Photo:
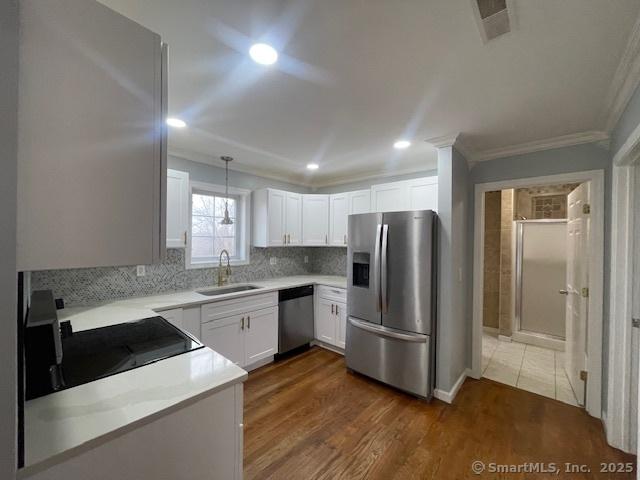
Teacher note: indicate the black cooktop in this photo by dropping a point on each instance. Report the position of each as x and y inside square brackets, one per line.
[89, 355]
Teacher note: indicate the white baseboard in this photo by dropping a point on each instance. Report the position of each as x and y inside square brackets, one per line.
[491, 330]
[539, 340]
[259, 363]
[504, 338]
[326, 346]
[449, 396]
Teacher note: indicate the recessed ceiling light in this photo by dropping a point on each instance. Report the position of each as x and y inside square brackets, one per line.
[313, 166]
[263, 54]
[402, 144]
[176, 122]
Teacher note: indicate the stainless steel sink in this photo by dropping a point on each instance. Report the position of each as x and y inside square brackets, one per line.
[212, 292]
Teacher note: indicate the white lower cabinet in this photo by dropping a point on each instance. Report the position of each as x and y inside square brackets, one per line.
[226, 336]
[244, 338]
[331, 316]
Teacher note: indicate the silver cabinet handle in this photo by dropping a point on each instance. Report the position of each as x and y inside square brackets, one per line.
[289, 238]
[563, 292]
[345, 238]
[249, 322]
[284, 239]
[376, 268]
[383, 270]
[185, 237]
[336, 309]
[326, 239]
[242, 324]
[332, 309]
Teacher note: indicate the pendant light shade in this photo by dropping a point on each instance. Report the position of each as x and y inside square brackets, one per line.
[226, 220]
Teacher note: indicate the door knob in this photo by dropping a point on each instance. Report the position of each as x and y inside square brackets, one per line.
[563, 292]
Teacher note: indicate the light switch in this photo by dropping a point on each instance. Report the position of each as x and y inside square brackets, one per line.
[273, 261]
[141, 270]
[306, 259]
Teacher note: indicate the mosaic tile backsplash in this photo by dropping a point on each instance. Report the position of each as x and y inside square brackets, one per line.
[88, 286]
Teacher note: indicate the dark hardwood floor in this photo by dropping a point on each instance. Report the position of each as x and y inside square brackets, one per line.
[308, 418]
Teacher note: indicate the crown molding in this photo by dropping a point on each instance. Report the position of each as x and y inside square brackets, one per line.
[540, 145]
[238, 167]
[443, 141]
[625, 81]
[371, 176]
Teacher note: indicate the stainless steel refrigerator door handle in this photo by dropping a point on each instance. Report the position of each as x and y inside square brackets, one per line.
[383, 270]
[376, 268]
[386, 332]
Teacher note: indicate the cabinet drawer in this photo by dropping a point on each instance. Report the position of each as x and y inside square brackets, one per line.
[332, 293]
[236, 306]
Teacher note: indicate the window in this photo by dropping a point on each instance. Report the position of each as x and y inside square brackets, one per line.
[208, 237]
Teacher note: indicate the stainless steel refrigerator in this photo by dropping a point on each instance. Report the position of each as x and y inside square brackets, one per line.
[391, 299]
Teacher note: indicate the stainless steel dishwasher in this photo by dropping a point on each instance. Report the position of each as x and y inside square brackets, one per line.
[295, 318]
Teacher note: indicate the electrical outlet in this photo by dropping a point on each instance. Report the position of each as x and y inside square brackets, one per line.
[306, 259]
[141, 270]
[273, 261]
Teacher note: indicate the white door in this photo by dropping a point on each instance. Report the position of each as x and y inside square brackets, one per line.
[315, 219]
[326, 323]
[359, 202]
[261, 334]
[293, 218]
[423, 193]
[341, 324]
[177, 208]
[226, 336]
[276, 202]
[577, 301]
[338, 215]
[390, 197]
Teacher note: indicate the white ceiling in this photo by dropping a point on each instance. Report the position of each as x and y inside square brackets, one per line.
[355, 75]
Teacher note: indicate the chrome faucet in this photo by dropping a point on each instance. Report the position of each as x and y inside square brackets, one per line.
[224, 275]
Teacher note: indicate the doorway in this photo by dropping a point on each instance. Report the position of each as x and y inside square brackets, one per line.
[526, 286]
[525, 289]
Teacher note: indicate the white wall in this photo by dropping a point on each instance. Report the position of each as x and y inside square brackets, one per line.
[454, 269]
[8, 185]
[364, 184]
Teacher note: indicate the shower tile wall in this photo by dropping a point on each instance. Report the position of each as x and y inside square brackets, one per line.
[87, 286]
[548, 201]
[506, 258]
[491, 304]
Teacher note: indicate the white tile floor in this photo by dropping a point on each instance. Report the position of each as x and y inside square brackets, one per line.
[535, 369]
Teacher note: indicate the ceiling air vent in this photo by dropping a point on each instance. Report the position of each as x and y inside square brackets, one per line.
[493, 17]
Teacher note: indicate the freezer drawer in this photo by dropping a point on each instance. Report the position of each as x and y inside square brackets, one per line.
[400, 359]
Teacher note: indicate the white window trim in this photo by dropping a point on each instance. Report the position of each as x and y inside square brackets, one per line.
[243, 208]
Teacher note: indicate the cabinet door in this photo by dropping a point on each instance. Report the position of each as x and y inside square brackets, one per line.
[423, 193]
[326, 321]
[359, 202]
[276, 217]
[261, 334]
[338, 212]
[226, 336]
[315, 219]
[390, 197]
[341, 324]
[177, 208]
[92, 167]
[293, 218]
[173, 316]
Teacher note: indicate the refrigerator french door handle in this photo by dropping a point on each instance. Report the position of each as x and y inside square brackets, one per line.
[376, 269]
[387, 332]
[384, 294]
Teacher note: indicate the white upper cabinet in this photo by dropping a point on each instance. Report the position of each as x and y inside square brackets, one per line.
[177, 208]
[293, 219]
[92, 140]
[277, 218]
[359, 202]
[423, 193]
[315, 220]
[415, 194]
[338, 215]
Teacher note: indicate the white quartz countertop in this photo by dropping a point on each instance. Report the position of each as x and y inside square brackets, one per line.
[67, 422]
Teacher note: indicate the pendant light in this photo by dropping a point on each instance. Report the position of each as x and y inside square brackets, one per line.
[226, 220]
